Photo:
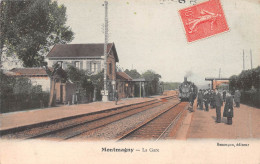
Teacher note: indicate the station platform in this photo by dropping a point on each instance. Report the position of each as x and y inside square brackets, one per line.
[201, 124]
[14, 120]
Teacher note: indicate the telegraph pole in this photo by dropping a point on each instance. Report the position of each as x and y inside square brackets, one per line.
[219, 72]
[105, 92]
[251, 59]
[243, 60]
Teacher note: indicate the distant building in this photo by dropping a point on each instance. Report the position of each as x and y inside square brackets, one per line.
[38, 76]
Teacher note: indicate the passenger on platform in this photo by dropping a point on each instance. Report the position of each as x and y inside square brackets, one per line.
[237, 98]
[191, 100]
[228, 109]
[200, 100]
[116, 97]
[224, 95]
[218, 103]
[206, 100]
[212, 101]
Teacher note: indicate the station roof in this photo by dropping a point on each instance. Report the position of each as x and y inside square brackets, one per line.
[123, 76]
[81, 50]
[212, 78]
[36, 71]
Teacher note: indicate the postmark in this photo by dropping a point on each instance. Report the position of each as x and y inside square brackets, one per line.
[193, 2]
[203, 20]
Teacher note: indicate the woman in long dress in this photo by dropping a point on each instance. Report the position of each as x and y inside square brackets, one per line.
[228, 109]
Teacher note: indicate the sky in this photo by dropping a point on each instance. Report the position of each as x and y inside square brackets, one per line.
[149, 34]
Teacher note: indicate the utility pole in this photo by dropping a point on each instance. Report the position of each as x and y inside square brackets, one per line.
[219, 72]
[251, 59]
[105, 92]
[243, 60]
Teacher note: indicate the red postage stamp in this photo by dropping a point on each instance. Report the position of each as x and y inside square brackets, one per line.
[203, 20]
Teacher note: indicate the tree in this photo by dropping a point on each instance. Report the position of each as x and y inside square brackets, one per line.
[90, 84]
[171, 85]
[233, 83]
[256, 78]
[74, 74]
[29, 28]
[153, 81]
[246, 80]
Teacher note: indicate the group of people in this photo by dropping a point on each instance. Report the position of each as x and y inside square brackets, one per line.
[214, 99]
[206, 98]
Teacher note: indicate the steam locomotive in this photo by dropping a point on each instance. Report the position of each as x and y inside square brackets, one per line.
[186, 88]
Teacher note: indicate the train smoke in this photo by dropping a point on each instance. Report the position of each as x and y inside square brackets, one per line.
[188, 74]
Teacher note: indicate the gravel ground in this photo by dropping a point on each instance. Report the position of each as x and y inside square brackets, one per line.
[113, 130]
[62, 124]
[77, 130]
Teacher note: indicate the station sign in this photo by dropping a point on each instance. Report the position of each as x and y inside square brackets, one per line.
[104, 92]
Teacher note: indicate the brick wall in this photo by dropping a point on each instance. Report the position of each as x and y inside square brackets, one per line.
[111, 60]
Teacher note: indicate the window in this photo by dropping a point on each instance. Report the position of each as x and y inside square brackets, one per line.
[77, 64]
[60, 63]
[94, 67]
[110, 68]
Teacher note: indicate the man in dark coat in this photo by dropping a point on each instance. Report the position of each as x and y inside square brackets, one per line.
[206, 100]
[116, 97]
[218, 104]
[228, 109]
[200, 99]
[211, 99]
[224, 95]
[191, 100]
[237, 98]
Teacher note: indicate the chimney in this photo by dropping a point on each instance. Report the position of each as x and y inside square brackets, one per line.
[185, 79]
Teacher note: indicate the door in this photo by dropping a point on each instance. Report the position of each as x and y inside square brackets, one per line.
[61, 93]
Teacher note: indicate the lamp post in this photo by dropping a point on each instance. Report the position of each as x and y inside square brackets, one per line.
[126, 85]
[143, 89]
[114, 87]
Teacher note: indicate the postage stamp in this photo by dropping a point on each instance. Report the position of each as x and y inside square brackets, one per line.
[203, 20]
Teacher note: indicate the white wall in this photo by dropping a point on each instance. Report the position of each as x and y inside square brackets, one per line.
[84, 62]
[43, 81]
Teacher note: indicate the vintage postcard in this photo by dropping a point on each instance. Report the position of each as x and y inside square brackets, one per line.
[129, 81]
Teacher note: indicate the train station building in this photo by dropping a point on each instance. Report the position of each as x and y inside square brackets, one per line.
[87, 57]
[90, 57]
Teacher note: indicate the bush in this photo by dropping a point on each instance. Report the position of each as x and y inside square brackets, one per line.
[251, 97]
[18, 102]
[246, 80]
[19, 94]
[249, 82]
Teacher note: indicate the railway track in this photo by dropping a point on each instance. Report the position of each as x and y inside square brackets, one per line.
[157, 127]
[70, 128]
[114, 129]
[74, 132]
